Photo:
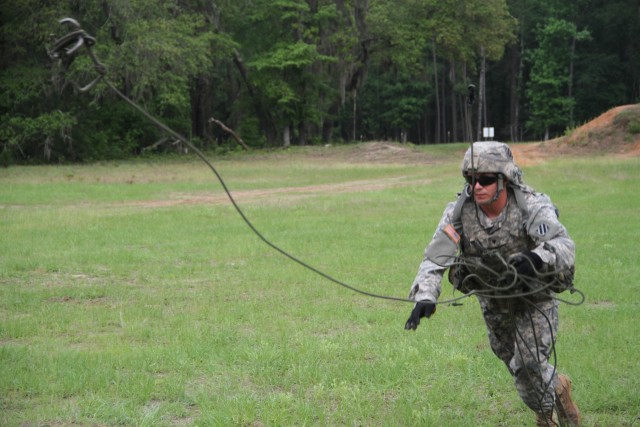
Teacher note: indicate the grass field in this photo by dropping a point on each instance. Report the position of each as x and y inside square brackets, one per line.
[133, 294]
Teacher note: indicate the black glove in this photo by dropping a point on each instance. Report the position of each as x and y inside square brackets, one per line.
[421, 309]
[527, 263]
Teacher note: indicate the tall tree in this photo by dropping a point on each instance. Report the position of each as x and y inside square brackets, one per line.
[494, 30]
[549, 87]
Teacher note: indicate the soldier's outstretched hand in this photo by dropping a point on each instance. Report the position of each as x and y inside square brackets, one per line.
[420, 310]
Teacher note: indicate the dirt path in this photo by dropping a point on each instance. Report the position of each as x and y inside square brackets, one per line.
[376, 152]
[282, 195]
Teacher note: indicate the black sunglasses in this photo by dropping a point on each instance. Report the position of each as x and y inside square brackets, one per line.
[483, 180]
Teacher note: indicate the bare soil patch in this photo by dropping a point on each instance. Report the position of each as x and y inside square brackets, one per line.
[527, 154]
[284, 194]
[374, 152]
[386, 152]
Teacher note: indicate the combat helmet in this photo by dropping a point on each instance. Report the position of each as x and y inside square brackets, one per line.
[492, 157]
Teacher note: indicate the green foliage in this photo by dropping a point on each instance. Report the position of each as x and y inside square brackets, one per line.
[547, 88]
[48, 134]
[493, 27]
[634, 127]
[249, 128]
[263, 66]
[283, 56]
[426, 40]
[22, 87]
[288, 69]
[284, 79]
[154, 52]
[400, 31]
[392, 103]
[126, 135]
[459, 28]
[600, 82]
[157, 58]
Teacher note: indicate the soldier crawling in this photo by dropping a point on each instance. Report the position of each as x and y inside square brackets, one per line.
[503, 242]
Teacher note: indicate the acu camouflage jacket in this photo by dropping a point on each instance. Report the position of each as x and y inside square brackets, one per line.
[529, 222]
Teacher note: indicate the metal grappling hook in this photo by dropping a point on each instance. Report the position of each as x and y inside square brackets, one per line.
[66, 46]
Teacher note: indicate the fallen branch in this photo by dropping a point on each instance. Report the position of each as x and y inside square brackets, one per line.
[175, 142]
[230, 131]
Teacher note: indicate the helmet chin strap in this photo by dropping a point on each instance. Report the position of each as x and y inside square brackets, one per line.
[500, 187]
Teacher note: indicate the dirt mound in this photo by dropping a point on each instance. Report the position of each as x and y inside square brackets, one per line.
[616, 131]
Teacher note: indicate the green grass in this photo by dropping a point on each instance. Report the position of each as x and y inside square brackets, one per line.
[119, 310]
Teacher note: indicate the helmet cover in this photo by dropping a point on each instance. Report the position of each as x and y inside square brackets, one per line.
[492, 157]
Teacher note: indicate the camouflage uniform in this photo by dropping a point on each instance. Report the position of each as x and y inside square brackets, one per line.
[521, 330]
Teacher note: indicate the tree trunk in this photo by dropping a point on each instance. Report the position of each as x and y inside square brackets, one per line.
[454, 105]
[286, 136]
[352, 72]
[570, 94]
[355, 110]
[437, 91]
[467, 111]
[302, 133]
[481, 94]
[513, 93]
[443, 97]
[264, 116]
[201, 108]
[517, 67]
[328, 122]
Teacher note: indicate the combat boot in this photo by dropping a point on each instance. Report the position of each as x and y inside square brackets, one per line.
[568, 412]
[548, 419]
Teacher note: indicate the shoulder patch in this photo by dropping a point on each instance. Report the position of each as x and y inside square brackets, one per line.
[542, 229]
[450, 231]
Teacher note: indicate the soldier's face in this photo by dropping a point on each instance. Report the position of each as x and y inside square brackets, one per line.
[486, 187]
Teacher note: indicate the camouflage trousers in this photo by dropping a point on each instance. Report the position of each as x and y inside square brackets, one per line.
[523, 335]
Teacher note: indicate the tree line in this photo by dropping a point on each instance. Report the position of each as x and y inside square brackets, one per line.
[294, 72]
